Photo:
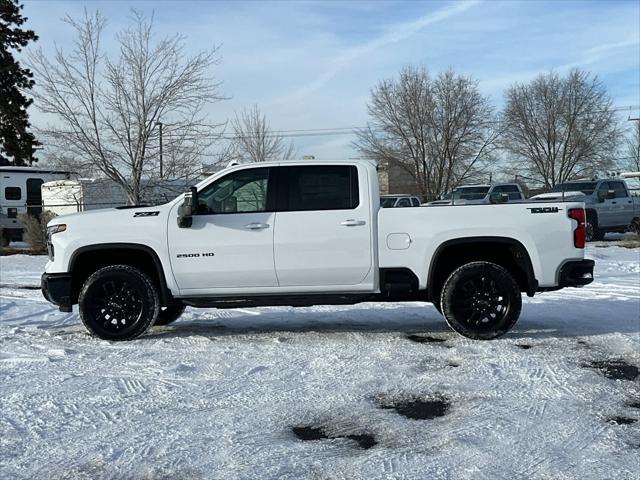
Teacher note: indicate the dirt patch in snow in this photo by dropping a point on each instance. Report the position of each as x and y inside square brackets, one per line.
[621, 420]
[523, 346]
[420, 409]
[310, 433]
[615, 369]
[634, 404]
[425, 339]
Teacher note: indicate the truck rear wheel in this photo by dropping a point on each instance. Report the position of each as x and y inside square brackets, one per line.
[481, 300]
[118, 302]
[169, 314]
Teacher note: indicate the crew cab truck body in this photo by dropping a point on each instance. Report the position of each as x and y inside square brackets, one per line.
[303, 234]
[610, 207]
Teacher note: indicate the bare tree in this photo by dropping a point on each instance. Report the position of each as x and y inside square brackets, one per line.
[107, 111]
[440, 130]
[254, 141]
[632, 149]
[558, 127]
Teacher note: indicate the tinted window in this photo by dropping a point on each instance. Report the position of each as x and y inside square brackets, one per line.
[619, 189]
[403, 202]
[244, 191]
[12, 193]
[387, 202]
[415, 202]
[511, 190]
[585, 187]
[329, 187]
[470, 193]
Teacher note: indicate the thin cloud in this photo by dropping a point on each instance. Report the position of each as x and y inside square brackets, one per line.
[395, 34]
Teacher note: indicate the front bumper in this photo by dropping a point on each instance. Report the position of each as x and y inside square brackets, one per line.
[56, 288]
[576, 273]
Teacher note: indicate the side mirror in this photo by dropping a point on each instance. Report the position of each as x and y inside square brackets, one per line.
[498, 197]
[188, 209]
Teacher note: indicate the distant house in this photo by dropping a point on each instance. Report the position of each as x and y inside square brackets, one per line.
[394, 178]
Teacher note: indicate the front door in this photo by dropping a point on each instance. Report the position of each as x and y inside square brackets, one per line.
[230, 243]
[323, 233]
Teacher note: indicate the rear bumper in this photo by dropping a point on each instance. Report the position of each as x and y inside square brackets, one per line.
[56, 288]
[576, 273]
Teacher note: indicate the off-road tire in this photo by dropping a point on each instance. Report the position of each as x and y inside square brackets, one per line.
[118, 303]
[634, 226]
[481, 300]
[169, 314]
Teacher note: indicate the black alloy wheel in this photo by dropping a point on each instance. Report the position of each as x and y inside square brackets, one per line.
[118, 303]
[481, 300]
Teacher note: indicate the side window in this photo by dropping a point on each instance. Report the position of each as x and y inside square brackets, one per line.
[619, 189]
[415, 202]
[604, 187]
[403, 202]
[244, 191]
[513, 192]
[13, 193]
[320, 187]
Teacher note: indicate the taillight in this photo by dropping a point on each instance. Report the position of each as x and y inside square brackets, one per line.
[580, 233]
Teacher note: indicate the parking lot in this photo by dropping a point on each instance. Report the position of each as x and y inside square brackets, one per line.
[365, 391]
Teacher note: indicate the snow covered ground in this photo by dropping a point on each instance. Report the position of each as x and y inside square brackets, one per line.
[218, 393]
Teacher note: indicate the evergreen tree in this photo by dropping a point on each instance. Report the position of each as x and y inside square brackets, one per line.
[16, 141]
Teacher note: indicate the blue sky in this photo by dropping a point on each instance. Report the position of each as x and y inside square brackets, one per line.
[312, 65]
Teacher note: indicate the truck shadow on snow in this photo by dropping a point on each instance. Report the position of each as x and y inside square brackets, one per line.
[551, 319]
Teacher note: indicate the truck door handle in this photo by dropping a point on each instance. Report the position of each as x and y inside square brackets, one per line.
[353, 223]
[256, 226]
[614, 202]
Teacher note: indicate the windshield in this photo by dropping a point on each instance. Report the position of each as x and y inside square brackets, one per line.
[387, 202]
[585, 187]
[470, 193]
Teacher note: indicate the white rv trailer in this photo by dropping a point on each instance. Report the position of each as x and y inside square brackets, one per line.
[20, 193]
[71, 196]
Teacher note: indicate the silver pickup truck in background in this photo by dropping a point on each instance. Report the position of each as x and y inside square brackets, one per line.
[609, 205]
[481, 194]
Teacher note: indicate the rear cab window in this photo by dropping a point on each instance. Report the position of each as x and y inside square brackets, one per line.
[318, 187]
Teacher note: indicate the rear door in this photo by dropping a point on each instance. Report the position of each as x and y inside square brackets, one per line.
[323, 235]
[606, 216]
[622, 204]
[34, 196]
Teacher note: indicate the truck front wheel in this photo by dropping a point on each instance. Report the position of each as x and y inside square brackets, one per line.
[481, 300]
[118, 302]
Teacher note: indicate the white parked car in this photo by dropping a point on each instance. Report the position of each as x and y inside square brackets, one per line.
[307, 233]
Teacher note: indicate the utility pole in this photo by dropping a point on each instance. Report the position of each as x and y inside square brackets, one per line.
[160, 127]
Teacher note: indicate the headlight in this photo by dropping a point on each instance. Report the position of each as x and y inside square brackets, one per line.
[56, 229]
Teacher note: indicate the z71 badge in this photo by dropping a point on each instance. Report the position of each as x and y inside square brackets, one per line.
[544, 209]
[145, 214]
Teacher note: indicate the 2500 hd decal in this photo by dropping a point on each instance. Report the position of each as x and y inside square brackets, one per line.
[195, 255]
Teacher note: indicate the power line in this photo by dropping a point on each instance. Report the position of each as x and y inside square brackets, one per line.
[318, 132]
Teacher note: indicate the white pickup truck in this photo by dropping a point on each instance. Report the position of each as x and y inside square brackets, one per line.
[308, 233]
